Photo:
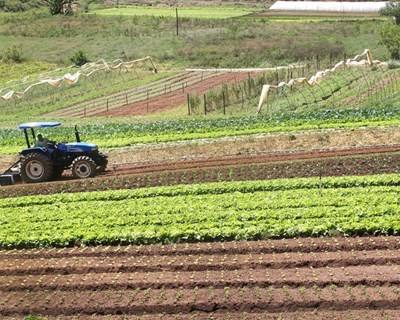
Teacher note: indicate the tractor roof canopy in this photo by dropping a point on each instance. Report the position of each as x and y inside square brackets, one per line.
[30, 125]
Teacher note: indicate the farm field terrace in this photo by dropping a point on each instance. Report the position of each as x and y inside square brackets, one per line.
[210, 12]
[126, 133]
[206, 212]
[232, 42]
[240, 280]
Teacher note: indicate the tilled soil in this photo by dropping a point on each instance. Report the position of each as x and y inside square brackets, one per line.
[259, 167]
[175, 98]
[313, 278]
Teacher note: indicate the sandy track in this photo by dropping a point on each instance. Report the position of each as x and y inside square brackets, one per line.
[232, 280]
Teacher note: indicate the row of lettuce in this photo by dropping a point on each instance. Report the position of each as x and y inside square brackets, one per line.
[109, 135]
[208, 212]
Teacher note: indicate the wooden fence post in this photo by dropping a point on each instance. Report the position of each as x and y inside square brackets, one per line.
[188, 103]
[147, 107]
[107, 105]
[241, 90]
[177, 22]
[205, 104]
[126, 98]
[223, 102]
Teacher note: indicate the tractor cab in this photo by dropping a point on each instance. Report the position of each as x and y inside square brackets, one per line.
[42, 143]
[45, 159]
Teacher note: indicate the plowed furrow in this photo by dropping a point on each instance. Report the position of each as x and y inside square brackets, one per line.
[306, 277]
[82, 265]
[360, 314]
[235, 247]
[206, 300]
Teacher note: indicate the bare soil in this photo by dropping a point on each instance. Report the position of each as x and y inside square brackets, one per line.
[374, 160]
[175, 98]
[313, 278]
[259, 144]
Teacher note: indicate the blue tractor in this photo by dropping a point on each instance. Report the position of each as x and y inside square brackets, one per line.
[45, 160]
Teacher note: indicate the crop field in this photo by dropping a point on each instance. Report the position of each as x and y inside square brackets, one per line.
[219, 12]
[265, 279]
[355, 161]
[111, 135]
[159, 96]
[274, 279]
[220, 211]
[207, 209]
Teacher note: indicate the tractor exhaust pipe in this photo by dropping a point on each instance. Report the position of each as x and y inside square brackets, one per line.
[77, 136]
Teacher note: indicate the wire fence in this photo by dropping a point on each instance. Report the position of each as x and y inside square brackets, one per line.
[351, 87]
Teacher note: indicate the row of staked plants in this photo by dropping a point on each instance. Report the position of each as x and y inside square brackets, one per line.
[240, 92]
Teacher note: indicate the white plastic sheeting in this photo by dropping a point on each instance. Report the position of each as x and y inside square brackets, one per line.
[329, 6]
[315, 79]
[85, 71]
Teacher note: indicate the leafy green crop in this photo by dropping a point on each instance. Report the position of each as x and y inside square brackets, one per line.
[207, 212]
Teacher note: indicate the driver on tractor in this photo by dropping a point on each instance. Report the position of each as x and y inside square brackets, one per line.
[41, 142]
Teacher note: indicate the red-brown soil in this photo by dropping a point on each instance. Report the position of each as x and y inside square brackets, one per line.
[253, 159]
[354, 161]
[175, 98]
[313, 278]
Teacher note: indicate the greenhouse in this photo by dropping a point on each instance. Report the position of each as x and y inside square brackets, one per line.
[329, 6]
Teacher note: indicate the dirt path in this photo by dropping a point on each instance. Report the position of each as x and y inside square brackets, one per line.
[260, 280]
[175, 98]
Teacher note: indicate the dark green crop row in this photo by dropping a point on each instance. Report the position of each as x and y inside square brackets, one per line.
[208, 212]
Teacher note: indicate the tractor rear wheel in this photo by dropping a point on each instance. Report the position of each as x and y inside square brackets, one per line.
[36, 167]
[83, 167]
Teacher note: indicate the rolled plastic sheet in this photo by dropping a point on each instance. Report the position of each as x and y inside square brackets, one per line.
[86, 70]
[354, 62]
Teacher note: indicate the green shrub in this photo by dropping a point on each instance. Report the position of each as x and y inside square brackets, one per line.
[13, 54]
[19, 5]
[390, 38]
[392, 9]
[79, 58]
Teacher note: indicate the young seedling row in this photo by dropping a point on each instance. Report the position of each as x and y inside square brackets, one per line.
[235, 279]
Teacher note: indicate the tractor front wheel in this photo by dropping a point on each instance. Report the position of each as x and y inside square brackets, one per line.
[36, 167]
[83, 167]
